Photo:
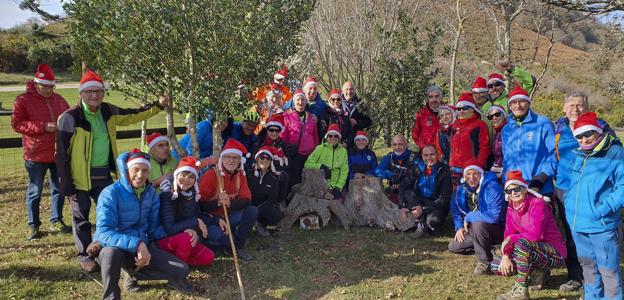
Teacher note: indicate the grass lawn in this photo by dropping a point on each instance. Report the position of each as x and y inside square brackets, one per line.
[364, 263]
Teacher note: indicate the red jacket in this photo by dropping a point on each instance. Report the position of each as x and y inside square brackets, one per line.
[30, 114]
[234, 185]
[470, 139]
[425, 128]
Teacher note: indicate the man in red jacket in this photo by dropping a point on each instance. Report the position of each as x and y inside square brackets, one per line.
[426, 123]
[34, 116]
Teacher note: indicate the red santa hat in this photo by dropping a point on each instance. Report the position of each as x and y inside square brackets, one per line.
[333, 128]
[516, 177]
[154, 139]
[466, 100]
[298, 92]
[495, 77]
[188, 164]
[473, 165]
[138, 157]
[587, 122]
[281, 73]
[275, 154]
[233, 146]
[497, 108]
[334, 92]
[360, 134]
[309, 82]
[44, 75]
[480, 85]
[275, 120]
[518, 94]
[90, 79]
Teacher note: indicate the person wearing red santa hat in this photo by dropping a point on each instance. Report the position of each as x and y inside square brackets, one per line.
[497, 115]
[331, 157]
[34, 117]
[315, 104]
[163, 164]
[478, 210]
[336, 114]
[498, 84]
[226, 185]
[276, 88]
[362, 160]
[480, 93]
[86, 144]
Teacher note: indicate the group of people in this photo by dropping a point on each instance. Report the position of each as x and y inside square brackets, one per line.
[506, 175]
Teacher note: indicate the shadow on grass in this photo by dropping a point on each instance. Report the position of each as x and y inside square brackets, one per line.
[23, 246]
[43, 273]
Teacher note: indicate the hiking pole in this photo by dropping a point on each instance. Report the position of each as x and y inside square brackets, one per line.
[234, 255]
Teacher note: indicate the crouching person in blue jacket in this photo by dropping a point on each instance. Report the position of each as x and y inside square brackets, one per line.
[478, 209]
[127, 217]
[592, 205]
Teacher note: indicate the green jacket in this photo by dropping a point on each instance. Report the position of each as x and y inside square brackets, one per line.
[159, 170]
[336, 159]
[74, 141]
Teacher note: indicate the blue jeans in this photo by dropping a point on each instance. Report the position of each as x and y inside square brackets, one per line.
[241, 224]
[599, 254]
[36, 174]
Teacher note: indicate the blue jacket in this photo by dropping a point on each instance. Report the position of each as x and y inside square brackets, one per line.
[386, 167]
[362, 161]
[234, 130]
[596, 191]
[529, 146]
[204, 138]
[123, 220]
[316, 107]
[491, 205]
[565, 144]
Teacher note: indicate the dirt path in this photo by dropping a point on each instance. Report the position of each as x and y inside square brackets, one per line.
[19, 88]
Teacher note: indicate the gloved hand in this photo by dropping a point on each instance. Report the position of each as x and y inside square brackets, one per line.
[165, 185]
[326, 171]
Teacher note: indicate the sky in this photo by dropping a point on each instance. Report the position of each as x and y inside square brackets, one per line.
[11, 14]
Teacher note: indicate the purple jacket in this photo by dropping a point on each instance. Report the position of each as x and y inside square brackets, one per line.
[497, 146]
[533, 221]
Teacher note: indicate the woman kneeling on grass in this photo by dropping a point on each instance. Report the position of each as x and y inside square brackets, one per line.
[532, 240]
[182, 218]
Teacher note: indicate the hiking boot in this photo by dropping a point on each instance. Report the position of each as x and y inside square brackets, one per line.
[88, 265]
[517, 292]
[129, 283]
[570, 286]
[482, 269]
[538, 279]
[263, 232]
[34, 233]
[181, 285]
[59, 226]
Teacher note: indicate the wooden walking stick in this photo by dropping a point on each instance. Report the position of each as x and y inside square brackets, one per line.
[229, 233]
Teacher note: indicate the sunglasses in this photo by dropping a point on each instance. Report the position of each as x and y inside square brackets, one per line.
[516, 190]
[333, 136]
[263, 157]
[274, 130]
[492, 85]
[495, 115]
[464, 108]
[335, 99]
[585, 134]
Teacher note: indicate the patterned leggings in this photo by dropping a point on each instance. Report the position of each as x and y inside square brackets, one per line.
[527, 256]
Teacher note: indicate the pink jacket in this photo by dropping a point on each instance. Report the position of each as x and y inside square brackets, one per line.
[292, 131]
[533, 221]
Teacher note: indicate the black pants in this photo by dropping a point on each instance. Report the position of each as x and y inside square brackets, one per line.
[162, 266]
[295, 168]
[431, 221]
[81, 227]
[479, 240]
[575, 271]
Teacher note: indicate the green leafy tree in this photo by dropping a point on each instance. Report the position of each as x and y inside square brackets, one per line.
[197, 52]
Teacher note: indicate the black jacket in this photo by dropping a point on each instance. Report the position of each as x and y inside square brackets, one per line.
[361, 119]
[182, 213]
[328, 117]
[411, 195]
[264, 187]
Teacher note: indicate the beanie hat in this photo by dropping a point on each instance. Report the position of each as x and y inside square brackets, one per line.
[233, 146]
[516, 177]
[497, 108]
[274, 154]
[466, 100]
[281, 73]
[90, 79]
[333, 128]
[154, 139]
[495, 77]
[189, 164]
[587, 122]
[518, 94]
[361, 135]
[275, 120]
[138, 157]
[44, 75]
[309, 82]
[480, 85]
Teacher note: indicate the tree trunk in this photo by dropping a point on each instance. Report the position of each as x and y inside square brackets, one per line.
[171, 131]
[143, 133]
[217, 140]
[193, 132]
[369, 206]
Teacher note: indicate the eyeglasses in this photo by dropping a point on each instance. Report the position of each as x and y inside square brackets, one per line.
[45, 87]
[495, 115]
[516, 190]
[333, 136]
[274, 130]
[464, 108]
[264, 157]
[495, 84]
[335, 99]
[98, 93]
[585, 134]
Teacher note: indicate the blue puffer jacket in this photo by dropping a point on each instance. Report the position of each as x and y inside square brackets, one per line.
[388, 163]
[362, 161]
[529, 146]
[123, 220]
[490, 203]
[565, 144]
[316, 107]
[204, 139]
[596, 192]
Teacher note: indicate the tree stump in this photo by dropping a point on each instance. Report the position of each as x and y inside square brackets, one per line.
[307, 197]
[369, 205]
